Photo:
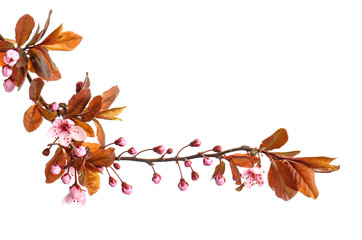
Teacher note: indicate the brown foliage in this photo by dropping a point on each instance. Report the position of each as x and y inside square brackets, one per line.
[32, 118]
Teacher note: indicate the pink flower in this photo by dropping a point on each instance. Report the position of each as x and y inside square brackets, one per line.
[187, 163]
[66, 178]
[159, 149]
[112, 182]
[80, 151]
[219, 179]
[253, 176]
[76, 195]
[132, 151]
[7, 71]
[11, 57]
[66, 130]
[54, 106]
[9, 85]
[55, 169]
[120, 142]
[195, 143]
[183, 185]
[207, 161]
[126, 188]
[156, 178]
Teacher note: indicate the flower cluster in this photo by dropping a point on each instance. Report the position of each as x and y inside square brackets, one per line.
[10, 59]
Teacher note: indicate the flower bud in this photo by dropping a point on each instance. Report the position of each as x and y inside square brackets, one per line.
[7, 71]
[159, 149]
[194, 175]
[217, 148]
[169, 151]
[126, 188]
[187, 163]
[219, 179]
[9, 85]
[116, 166]
[80, 151]
[183, 185]
[156, 178]
[132, 151]
[11, 57]
[54, 106]
[66, 178]
[46, 152]
[112, 182]
[55, 169]
[207, 161]
[120, 142]
[79, 86]
[195, 143]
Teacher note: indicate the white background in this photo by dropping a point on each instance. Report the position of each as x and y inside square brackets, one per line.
[226, 72]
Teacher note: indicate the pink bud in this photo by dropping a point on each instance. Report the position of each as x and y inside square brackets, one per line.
[79, 86]
[112, 182]
[7, 71]
[9, 85]
[101, 169]
[195, 143]
[46, 152]
[207, 161]
[66, 178]
[116, 165]
[11, 57]
[132, 151]
[169, 151]
[159, 149]
[126, 188]
[55, 169]
[120, 142]
[156, 178]
[219, 179]
[80, 151]
[217, 148]
[187, 163]
[194, 175]
[54, 106]
[183, 185]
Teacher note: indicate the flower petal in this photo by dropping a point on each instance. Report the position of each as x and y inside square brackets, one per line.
[77, 133]
[64, 139]
[52, 132]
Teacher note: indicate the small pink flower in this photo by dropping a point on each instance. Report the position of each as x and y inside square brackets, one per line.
[120, 142]
[7, 71]
[187, 163]
[112, 182]
[11, 57]
[55, 169]
[126, 188]
[183, 185]
[80, 151]
[76, 195]
[207, 161]
[194, 175]
[66, 178]
[66, 130]
[156, 178]
[54, 106]
[253, 176]
[195, 143]
[219, 179]
[9, 85]
[159, 149]
[132, 151]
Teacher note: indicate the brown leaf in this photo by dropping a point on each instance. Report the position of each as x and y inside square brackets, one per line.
[23, 61]
[18, 75]
[35, 89]
[32, 118]
[85, 126]
[220, 168]
[67, 41]
[86, 83]
[235, 172]
[276, 140]
[47, 114]
[241, 160]
[287, 154]
[92, 110]
[318, 164]
[43, 64]
[92, 146]
[103, 157]
[91, 181]
[23, 29]
[61, 159]
[78, 102]
[5, 45]
[100, 133]
[111, 114]
[53, 37]
[108, 97]
[38, 35]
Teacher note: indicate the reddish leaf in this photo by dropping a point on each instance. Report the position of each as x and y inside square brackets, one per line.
[235, 172]
[241, 160]
[276, 140]
[61, 159]
[23, 61]
[86, 82]
[92, 110]
[220, 168]
[32, 118]
[53, 37]
[108, 97]
[67, 41]
[47, 114]
[43, 64]
[92, 146]
[5, 45]
[78, 102]
[318, 164]
[111, 114]
[23, 29]
[85, 126]
[35, 89]
[103, 157]
[2, 63]
[18, 75]
[287, 154]
[38, 35]
[91, 181]
[100, 133]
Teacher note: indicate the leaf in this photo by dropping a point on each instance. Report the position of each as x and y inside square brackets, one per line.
[235, 172]
[43, 64]
[91, 181]
[108, 97]
[103, 157]
[23, 61]
[47, 114]
[111, 114]
[78, 102]
[85, 126]
[23, 29]
[287, 154]
[92, 110]
[318, 164]
[276, 140]
[35, 89]
[38, 35]
[67, 41]
[32, 118]
[18, 75]
[5, 45]
[240, 159]
[86, 83]
[61, 159]
[100, 133]
[53, 37]
[220, 168]
[92, 146]
[240, 187]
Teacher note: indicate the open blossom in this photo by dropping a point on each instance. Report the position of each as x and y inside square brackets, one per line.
[76, 195]
[11, 57]
[253, 176]
[66, 130]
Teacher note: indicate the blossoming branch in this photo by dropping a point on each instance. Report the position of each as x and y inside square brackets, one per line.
[78, 161]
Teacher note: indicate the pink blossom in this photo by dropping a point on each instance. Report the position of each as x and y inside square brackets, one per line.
[219, 179]
[207, 161]
[253, 176]
[11, 57]
[132, 151]
[9, 85]
[156, 178]
[66, 130]
[159, 149]
[187, 163]
[195, 143]
[66, 178]
[120, 142]
[7, 71]
[126, 188]
[55, 169]
[54, 106]
[76, 195]
[183, 185]
[80, 151]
